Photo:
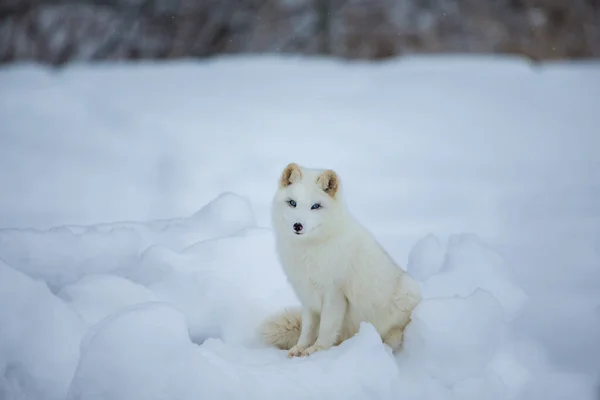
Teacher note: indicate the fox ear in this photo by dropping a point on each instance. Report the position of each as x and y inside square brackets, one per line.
[329, 182]
[291, 174]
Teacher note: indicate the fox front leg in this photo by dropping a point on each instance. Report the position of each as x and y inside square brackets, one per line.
[308, 335]
[332, 318]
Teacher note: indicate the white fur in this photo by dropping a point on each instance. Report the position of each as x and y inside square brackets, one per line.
[340, 273]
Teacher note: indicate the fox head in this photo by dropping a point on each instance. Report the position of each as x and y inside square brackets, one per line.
[307, 203]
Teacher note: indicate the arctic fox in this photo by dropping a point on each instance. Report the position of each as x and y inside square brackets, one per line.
[339, 272]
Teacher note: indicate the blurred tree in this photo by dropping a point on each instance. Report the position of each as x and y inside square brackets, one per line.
[58, 31]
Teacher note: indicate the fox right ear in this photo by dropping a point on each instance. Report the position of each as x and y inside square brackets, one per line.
[291, 174]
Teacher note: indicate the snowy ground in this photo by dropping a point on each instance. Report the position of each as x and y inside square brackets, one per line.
[480, 176]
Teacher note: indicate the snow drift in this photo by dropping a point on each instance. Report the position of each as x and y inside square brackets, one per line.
[171, 312]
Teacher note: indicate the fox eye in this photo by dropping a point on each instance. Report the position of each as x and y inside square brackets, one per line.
[315, 206]
[292, 203]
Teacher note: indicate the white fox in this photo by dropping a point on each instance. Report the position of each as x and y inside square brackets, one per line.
[339, 272]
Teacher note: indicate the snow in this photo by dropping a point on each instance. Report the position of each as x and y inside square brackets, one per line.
[96, 296]
[39, 338]
[136, 256]
[467, 266]
[425, 258]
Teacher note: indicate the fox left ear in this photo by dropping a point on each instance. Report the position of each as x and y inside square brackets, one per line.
[291, 174]
[329, 182]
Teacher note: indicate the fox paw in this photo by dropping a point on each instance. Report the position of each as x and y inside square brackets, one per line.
[296, 351]
[312, 349]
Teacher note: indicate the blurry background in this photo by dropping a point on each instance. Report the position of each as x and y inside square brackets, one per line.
[58, 31]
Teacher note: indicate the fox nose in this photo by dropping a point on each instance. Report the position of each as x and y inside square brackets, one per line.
[298, 227]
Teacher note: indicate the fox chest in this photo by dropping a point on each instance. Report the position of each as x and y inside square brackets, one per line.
[312, 275]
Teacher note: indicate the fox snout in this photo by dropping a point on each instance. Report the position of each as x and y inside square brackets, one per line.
[298, 228]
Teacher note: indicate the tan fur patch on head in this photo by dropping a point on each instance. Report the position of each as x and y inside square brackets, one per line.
[329, 182]
[292, 173]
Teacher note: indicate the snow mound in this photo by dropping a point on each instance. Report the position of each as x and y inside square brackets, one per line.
[169, 309]
[426, 258]
[95, 297]
[467, 265]
[144, 352]
[141, 352]
[63, 255]
[39, 339]
[455, 338]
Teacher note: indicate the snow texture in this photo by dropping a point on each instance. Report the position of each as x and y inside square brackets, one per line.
[429, 151]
